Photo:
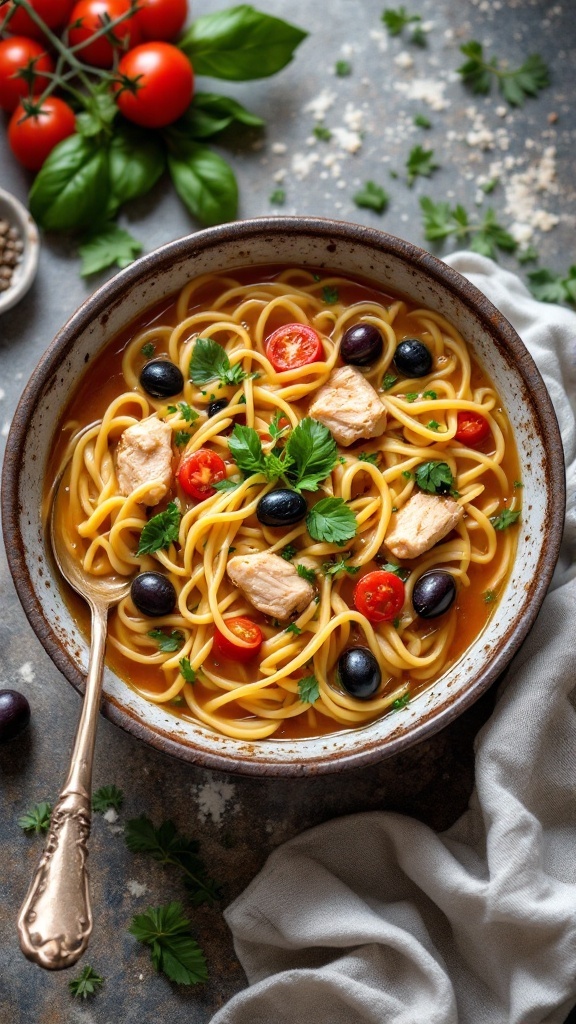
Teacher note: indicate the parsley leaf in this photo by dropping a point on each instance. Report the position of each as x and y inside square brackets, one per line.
[107, 246]
[547, 286]
[167, 846]
[388, 381]
[398, 570]
[505, 519]
[181, 438]
[307, 574]
[277, 197]
[485, 236]
[173, 950]
[433, 425]
[312, 451]
[308, 689]
[411, 396]
[515, 85]
[420, 162]
[167, 644]
[434, 477]
[322, 133]
[37, 819]
[331, 520]
[148, 349]
[397, 19]
[188, 673]
[86, 984]
[246, 450]
[334, 568]
[330, 295]
[372, 197]
[160, 531]
[372, 457]
[343, 68]
[430, 394]
[210, 361]
[106, 797]
[186, 411]
[293, 628]
[421, 121]
[288, 552]
[489, 596]
[401, 702]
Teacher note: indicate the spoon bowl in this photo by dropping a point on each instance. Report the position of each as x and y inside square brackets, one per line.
[55, 921]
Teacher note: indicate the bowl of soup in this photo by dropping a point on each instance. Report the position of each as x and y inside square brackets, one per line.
[332, 473]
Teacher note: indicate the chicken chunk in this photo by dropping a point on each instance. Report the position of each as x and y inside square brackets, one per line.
[144, 455]
[349, 406]
[421, 523]
[270, 583]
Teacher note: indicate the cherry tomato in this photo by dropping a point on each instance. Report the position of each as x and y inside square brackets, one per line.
[90, 14]
[53, 12]
[472, 428]
[199, 471]
[33, 138]
[162, 19]
[292, 346]
[164, 83]
[379, 596]
[15, 54]
[246, 631]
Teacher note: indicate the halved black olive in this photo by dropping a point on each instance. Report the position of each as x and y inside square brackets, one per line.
[14, 714]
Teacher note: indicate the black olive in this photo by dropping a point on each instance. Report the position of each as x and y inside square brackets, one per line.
[412, 358]
[361, 344]
[433, 593]
[14, 714]
[153, 594]
[359, 672]
[161, 378]
[281, 508]
[217, 406]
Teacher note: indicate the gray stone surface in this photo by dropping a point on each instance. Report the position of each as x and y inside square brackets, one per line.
[239, 821]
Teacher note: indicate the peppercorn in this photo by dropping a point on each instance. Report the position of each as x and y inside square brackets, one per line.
[11, 249]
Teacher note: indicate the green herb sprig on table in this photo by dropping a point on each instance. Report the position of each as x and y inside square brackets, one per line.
[37, 819]
[108, 161]
[547, 286]
[107, 797]
[173, 950]
[86, 984]
[477, 73]
[420, 162]
[440, 220]
[372, 197]
[166, 845]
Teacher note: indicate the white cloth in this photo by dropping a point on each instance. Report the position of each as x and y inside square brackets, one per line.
[375, 919]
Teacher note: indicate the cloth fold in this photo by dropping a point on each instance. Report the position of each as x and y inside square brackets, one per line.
[374, 918]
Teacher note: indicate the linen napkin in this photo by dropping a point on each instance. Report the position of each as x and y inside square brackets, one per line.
[374, 918]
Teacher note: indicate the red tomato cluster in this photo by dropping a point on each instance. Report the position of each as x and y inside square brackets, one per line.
[153, 83]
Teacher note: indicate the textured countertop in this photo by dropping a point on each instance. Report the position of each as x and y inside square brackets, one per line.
[528, 152]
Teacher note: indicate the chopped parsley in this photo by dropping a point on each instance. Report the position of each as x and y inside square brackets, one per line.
[307, 574]
[372, 457]
[322, 133]
[173, 950]
[421, 163]
[275, 430]
[228, 484]
[187, 672]
[277, 197]
[339, 566]
[411, 396]
[160, 531]
[505, 519]
[548, 286]
[398, 570]
[167, 643]
[518, 483]
[37, 819]
[288, 552]
[433, 425]
[330, 295]
[485, 237]
[107, 797]
[372, 197]
[515, 84]
[148, 349]
[181, 438]
[434, 477]
[489, 186]
[308, 689]
[396, 20]
[489, 596]
[186, 411]
[388, 381]
[421, 121]
[343, 68]
[430, 394]
[407, 474]
[401, 702]
[210, 362]
[86, 984]
[331, 520]
[293, 628]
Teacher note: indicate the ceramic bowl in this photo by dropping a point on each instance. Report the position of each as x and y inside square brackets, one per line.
[17, 216]
[395, 266]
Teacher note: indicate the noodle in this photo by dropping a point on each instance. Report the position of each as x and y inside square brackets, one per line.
[262, 698]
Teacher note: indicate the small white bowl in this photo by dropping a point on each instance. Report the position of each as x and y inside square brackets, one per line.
[12, 210]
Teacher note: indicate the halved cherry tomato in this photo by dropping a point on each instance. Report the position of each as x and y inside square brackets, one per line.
[379, 596]
[16, 54]
[162, 84]
[198, 473]
[292, 346]
[88, 17]
[472, 428]
[247, 631]
[33, 138]
[161, 19]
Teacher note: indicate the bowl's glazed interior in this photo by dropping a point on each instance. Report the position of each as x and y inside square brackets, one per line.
[394, 266]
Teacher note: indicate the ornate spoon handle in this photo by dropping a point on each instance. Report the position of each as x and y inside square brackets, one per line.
[55, 921]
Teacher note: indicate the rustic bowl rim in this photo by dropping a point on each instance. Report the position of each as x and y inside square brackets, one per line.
[111, 292]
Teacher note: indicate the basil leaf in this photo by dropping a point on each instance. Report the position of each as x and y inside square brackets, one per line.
[137, 161]
[204, 181]
[101, 109]
[105, 246]
[72, 187]
[210, 113]
[331, 520]
[312, 448]
[240, 44]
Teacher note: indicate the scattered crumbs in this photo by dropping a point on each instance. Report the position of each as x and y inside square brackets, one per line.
[427, 90]
[140, 977]
[279, 148]
[501, 111]
[404, 60]
[280, 174]
[111, 816]
[347, 140]
[353, 117]
[321, 104]
[2, 394]
[27, 672]
[212, 798]
[522, 197]
[302, 164]
[136, 888]
[380, 38]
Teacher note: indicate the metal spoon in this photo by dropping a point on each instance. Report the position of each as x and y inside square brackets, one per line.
[55, 921]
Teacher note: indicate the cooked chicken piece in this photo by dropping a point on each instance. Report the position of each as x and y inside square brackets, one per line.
[349, 406]
[144, 454]
[270, 583]
[421, 523]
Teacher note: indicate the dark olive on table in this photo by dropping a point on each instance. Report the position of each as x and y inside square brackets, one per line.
[281, 508]
[14, 714]
[361, 345]
[162, 378]
[216, 406]
[153, 594]
[359, 672]
[433, 593]
[413, 358]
